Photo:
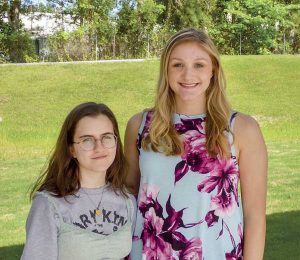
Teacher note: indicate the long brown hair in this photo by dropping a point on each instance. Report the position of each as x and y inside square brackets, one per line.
[162, 134]
[61, 176]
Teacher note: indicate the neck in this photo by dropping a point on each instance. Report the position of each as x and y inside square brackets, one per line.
[92, 180]
[190, 108]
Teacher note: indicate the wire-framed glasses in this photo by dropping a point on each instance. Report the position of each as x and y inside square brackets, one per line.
[89, 143]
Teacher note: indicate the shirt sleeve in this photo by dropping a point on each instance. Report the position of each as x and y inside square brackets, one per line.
[41, 231]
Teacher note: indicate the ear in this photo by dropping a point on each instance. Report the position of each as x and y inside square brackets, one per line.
[72, 151]
[212, 73]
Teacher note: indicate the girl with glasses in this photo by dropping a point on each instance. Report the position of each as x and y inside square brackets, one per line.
[81, 208]
[187, 156]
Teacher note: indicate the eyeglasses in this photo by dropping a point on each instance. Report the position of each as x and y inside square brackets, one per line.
[89, 143]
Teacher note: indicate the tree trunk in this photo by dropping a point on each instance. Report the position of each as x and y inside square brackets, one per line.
[14, 14]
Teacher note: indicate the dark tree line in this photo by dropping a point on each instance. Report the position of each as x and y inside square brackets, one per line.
[109, 29]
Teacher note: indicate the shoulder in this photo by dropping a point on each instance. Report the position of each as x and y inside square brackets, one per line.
[39, 203]
[245, 124]
[245, 121]
[246, 129]
[43, 205]
[41, 198]
[47, 201]
[135, 121]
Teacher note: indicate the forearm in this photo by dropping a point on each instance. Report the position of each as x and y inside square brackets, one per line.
[254, 237]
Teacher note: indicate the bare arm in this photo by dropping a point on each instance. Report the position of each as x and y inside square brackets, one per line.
[131, 153]
[252, 155]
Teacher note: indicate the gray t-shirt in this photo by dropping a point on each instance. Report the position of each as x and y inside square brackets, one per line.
[42, 224]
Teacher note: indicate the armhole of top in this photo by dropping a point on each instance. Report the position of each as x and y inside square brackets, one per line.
[231, 137]
[142, 125]
[232, 120]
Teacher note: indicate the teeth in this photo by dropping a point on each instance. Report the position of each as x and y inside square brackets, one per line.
[189, 85]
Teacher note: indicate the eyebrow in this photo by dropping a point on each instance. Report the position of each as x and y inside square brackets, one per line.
[197, 59]
[82, 136]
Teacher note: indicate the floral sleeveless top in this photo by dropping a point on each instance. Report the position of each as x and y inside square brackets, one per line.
[188, 206]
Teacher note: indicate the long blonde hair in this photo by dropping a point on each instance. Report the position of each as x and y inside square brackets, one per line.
[162, 134]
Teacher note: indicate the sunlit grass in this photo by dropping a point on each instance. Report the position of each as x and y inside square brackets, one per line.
[34, 100]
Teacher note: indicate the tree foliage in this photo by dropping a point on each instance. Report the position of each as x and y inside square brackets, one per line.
[15, 42]
[250, 26]
[194, 13]
[139, 28]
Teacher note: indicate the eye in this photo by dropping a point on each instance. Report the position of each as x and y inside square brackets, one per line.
[178, 65]
[199, 65]
[88, 140]
[108, 137]
[108, 140]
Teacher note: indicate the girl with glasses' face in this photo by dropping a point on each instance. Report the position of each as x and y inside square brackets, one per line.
[94, 148]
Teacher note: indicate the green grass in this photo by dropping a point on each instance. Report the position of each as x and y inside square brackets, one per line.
[34, 100]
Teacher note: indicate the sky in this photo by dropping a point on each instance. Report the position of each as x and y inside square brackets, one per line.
[39, 1]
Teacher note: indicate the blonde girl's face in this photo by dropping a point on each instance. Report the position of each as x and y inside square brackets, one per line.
[189, 73]
[97, 159]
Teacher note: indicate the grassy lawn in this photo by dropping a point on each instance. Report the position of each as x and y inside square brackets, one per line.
[34, 101]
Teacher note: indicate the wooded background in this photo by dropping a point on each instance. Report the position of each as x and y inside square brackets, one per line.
[110, 29]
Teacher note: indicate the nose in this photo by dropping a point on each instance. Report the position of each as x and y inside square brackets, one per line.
[98, 144]
[188, 73]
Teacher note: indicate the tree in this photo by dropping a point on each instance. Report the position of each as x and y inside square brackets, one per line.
[13, 16]
[15, 42]
[181, 14]
[148, 12]
[95, 18]
[61, 8]
[127, 29]
[292, 33]
[137, 27]
[249, 26]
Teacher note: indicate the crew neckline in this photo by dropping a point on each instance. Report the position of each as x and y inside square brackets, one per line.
[92, 191]
[190, 116]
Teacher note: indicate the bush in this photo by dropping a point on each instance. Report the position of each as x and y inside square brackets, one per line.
[16, 46]
[68, 46]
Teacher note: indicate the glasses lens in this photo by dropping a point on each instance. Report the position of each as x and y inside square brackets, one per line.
[109, 140]
[88, 144]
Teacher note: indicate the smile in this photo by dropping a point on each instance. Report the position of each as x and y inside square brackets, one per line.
[99, 157]
[188, 85]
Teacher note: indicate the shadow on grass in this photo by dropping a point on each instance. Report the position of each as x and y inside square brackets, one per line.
[11, 252]
[283, 233]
